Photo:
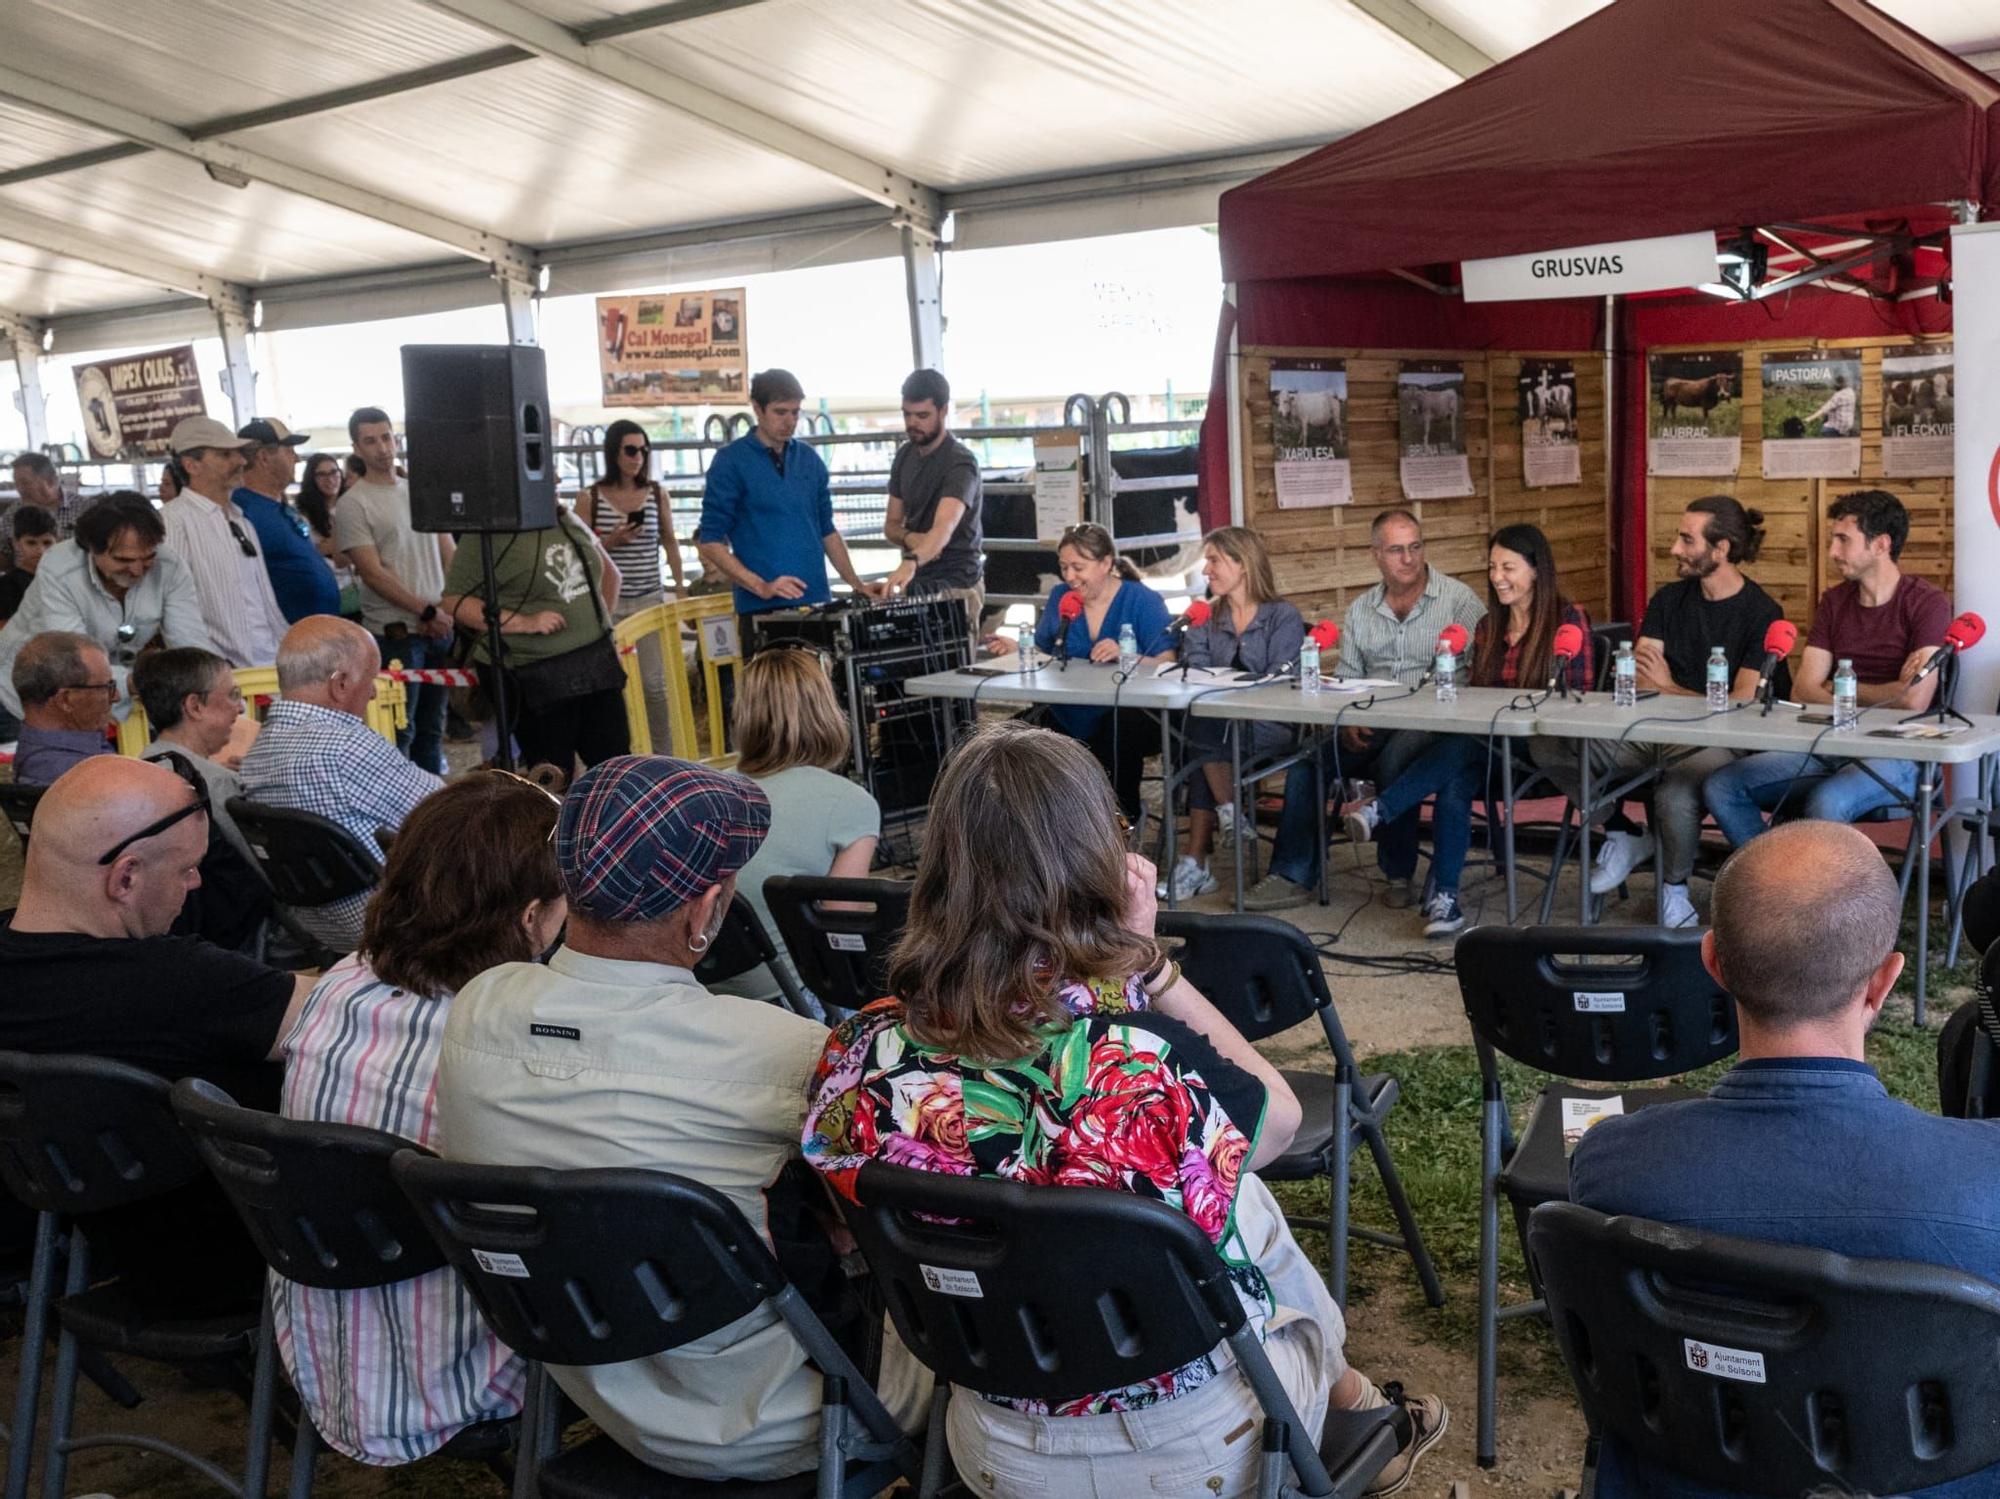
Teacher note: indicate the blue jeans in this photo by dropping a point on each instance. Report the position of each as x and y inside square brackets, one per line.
[1298, 851]
[422, 736]
[1811, 785]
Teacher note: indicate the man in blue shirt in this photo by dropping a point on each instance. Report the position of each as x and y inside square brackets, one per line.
[300, 577]
[767, 510]
[1800, 1143]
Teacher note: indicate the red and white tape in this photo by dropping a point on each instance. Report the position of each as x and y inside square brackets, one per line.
[437, 676]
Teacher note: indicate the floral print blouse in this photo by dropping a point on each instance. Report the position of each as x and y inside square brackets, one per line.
[1118, 1098]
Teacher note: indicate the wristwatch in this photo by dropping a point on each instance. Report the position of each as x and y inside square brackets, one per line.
[430, 613]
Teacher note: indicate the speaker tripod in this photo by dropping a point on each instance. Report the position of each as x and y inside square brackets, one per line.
[490, 598]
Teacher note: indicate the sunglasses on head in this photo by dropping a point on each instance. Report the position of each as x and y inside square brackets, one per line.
[242, 540]
[194, 783]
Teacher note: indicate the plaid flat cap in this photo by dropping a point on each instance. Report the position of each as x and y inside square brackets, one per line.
[642, 835]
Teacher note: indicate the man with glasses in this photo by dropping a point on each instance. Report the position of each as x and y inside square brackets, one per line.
[66, 690]
[1390, 631]
[219, 545]
[300, 577]
[112, 583]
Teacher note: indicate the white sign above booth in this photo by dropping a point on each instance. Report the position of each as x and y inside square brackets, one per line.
[1624, 265]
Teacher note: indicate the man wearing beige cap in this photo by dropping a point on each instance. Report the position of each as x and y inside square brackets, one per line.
[211, 534]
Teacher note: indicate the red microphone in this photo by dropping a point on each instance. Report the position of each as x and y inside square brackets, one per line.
[1962, 634]
[1069, 609]
[1325, 634]
[1568, 646]
[1197, 612]
[1778, 642]
[1452, 640]
[1070, 606]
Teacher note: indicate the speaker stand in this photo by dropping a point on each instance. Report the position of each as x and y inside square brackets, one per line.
[490, 597]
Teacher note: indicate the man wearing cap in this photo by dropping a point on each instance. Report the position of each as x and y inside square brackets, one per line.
[216, 541]
[300, 577]
[613, 1054]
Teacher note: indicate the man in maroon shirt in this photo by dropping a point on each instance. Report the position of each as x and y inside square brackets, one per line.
[1884, 620]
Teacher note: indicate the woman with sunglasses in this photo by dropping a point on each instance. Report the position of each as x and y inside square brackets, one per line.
[628, 511]
[321, 484]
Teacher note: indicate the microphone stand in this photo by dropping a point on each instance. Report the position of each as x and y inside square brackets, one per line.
[1940, 712]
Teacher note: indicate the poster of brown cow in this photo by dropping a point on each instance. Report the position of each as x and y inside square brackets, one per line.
[1694, 416]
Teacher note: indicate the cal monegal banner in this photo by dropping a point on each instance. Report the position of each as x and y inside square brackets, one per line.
[1309, 433]
[1975, 317]
[130, 405]
[1694, 417]
[680, 348]
[1919, 411]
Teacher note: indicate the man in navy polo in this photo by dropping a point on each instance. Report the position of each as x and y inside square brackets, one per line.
[1805, 930]
[300, 577]
[767, 510]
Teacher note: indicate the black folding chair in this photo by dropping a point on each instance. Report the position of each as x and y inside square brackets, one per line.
[320, 1205]
[841, 954]
[1052, 1293]
[1597, 1004]
[17, 805]
[1265, 976]
[742, 945]
[309, 860]
[1768, 1368]
[84, 1135]
[605, 1266]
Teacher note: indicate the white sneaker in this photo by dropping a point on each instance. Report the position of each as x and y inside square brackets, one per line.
[1225, 818]
[1675, 907]
[1618, 856]
[1191, 879]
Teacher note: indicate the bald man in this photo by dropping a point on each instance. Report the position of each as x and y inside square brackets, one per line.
[86, 966]
[316, 753]
[1800, 1143]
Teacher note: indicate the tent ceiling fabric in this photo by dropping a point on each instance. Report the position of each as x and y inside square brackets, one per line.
[993, 107]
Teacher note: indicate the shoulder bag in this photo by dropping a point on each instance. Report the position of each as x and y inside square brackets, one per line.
[587, 669]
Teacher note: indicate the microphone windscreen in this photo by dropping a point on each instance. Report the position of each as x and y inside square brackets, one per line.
[1325, 634]
[1966, 631]
[1197, 612]
[1071, 605]
[1569, 641]
[1781, 637]
[1452, 639]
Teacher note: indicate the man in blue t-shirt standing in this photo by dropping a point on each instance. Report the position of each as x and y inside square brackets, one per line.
[767, 511]
[300, 577]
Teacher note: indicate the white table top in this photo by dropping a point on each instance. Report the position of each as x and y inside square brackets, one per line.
[1478, 709]
[1081, 684]
[1687, 721]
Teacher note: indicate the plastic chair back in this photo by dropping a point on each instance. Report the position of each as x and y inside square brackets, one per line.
[309, 860]
[17, 805]
[317, 1199]
[594, 1266]
[740, 946]
[1769, 1368]
[81, 1134]
[841, 955]
[1263, 974]
[1597, 1004]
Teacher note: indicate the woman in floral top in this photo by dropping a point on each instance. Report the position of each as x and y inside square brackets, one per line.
[1036, 1034]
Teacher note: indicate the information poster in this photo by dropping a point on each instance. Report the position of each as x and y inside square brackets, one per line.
[1058, 485]
[1919, 425]
[682, 348]
[1812, 414]
[1550, 452]
[1694, 419]
[1309, 433]
[1430, 406]
[130, 405]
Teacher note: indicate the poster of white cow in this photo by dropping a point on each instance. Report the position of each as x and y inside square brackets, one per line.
[1431, 415]
[1309, 433]
[1545, 397]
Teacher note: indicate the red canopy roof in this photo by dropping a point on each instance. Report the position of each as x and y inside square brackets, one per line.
[1650, 117]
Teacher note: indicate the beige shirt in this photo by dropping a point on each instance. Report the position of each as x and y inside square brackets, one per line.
[378, 516]
[664, 1075]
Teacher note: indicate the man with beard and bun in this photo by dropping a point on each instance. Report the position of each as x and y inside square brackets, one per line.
[1710, 604]
[934, 503]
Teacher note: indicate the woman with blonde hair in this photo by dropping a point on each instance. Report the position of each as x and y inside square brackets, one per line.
[1249, 629]
[1029, 978]
[793, 740]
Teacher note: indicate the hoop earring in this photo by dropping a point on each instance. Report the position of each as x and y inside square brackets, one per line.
[699, 944]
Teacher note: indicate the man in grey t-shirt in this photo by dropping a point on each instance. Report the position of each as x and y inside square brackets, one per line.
[934, 500]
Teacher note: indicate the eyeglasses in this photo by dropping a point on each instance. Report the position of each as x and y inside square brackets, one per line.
[554, 800]
[110, 687]
[632, 451]
[178, 815]
[126, 631]
[1414, 549]
[242, 540]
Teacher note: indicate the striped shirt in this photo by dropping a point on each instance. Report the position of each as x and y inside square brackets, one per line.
[638, 559]
[219, 545]
[1375, 643]
[389, 1374]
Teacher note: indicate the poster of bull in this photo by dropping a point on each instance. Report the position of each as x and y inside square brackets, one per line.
[1430, 413]
[1812, 414]
[129, 405]
[681, 348]
[1918, 422]
[1309, 433]
[1694, 413]
[1550, 453]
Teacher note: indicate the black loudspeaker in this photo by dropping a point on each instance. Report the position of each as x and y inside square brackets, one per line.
[476, 425]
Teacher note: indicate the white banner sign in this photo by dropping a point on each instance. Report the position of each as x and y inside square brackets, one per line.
[1975, 316]
[1592, 270]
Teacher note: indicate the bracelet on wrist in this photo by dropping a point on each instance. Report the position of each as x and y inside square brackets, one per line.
[1162, 979]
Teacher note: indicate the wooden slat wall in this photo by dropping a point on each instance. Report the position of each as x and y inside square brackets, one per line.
[1321, 555]
[1793, 567]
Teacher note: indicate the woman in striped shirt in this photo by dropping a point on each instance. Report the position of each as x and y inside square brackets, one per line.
[391, 1374]
[628, 511]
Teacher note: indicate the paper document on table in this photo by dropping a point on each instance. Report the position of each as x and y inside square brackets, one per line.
[1199, 673]
[1357, 684]
[1917, 731]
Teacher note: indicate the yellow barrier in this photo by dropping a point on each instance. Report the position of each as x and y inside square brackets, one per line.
[665, 622]
[385, 715]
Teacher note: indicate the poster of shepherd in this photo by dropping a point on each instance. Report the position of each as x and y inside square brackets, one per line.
[1812, 414]
[1550, 453]
[1918, 425]
[1309, 433]
[682, 348]
[1430, 412]
[129, 405]
[1694, 415]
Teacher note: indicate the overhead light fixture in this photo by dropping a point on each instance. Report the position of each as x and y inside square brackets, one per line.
[48, 339]
[542, 279]
[257, 313]
[227, 176]
[1744, 260]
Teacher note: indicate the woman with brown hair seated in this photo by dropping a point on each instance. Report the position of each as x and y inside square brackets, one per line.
[1029, 976]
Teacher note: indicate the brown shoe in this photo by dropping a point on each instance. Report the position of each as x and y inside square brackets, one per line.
[1425, 1419]
[1275, 893]
[1401, 894]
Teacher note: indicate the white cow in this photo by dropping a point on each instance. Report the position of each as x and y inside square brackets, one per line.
[1557, 406]
[1314, 408]
[1434, 405]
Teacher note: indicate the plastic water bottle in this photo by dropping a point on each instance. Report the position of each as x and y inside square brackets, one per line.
[1025, 647]
[1846, 696]
[1718, 679]
[1445, 675]
[1309, 665]
[1128, 650]
[1625, 677]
